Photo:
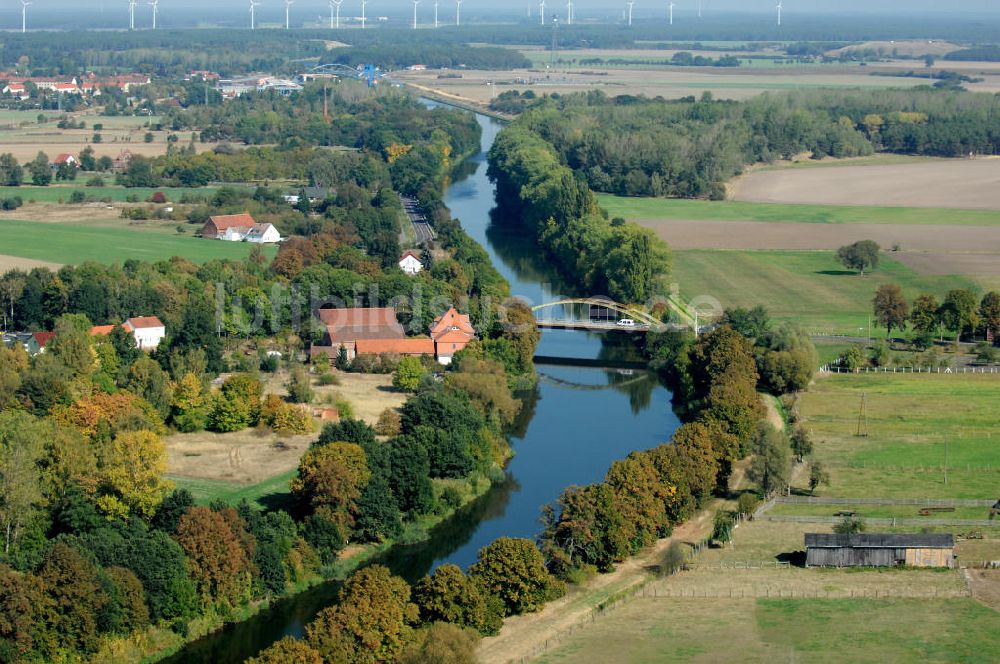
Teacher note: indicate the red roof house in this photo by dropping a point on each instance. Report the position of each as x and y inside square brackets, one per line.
[451, 332]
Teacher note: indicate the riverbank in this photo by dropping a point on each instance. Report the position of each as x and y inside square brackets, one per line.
[526, 636]
[459, 102]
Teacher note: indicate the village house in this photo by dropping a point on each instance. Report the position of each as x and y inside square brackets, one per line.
[17, 90]
[147, 330]
[122, 161]
[37, 342]
[65, 158]
[239, 228]
[879, 550]
[376, 331]
[410, 263]
[451, 333]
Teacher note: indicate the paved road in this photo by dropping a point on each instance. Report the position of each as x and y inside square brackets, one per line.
[421, 229]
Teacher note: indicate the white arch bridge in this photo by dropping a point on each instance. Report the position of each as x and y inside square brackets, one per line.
[644, 322]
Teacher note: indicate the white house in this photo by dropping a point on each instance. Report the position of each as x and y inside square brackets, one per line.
[147, 330]
[410, 263]
[240, 228]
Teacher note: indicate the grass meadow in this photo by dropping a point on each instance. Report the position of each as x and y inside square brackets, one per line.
[808, 287]
[263, 494]
[79, 242]
[62, 192]
[914, 420]
[676, 208]
[653, 630]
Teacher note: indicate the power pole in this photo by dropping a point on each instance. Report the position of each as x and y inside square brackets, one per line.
[862, 431]
[555, 42]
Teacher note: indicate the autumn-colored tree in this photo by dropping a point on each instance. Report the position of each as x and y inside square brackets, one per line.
[129, 599]
[23, 608]
[442, 643]
[370, 624]
[288, 650]
[332, 475]
[72, 582]
[389, 423]
[694, 442]
[641, 498]
[102, 414]
[718, 353]
[772, 462]
[513, 569]
[448, 595]
[190, 405]
[216, 557]
[890, 307]
[237, 405]
[520, 328]
[13, 362]
[671, 466]
[132, 475]
[485, 383]
[584, 527]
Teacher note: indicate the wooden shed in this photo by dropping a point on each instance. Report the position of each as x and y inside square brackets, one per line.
[879, 550]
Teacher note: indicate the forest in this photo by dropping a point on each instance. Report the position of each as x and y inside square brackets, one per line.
[99, 549]
[613, 257]
[689, 148]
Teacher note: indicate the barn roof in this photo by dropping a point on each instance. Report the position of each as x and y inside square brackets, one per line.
[224, 221]
[880, 541]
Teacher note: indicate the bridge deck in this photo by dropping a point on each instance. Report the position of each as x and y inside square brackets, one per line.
[596, 326]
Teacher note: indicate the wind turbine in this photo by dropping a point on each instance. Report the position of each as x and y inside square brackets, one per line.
[24, 15]
[569, 12]
[335, 3]
[779, 13]
[155, 4]
[541, 11]
[131, 14]
[699, 8]
[458, 12]
[363, 19]
[672, 13]
[415, 3]
[435, 13]
[253, 5]
[288, 6]
[630, 3]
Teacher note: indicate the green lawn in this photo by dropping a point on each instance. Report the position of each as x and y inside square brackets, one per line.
[676, 208]
[649, 631]
[61, 192]
[76, 243]
[912, 419]
[264, 494]
[809, 287]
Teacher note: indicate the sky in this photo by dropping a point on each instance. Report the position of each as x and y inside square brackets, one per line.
[908, 7]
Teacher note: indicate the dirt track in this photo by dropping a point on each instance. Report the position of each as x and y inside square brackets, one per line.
[962, 183]
[8, 263]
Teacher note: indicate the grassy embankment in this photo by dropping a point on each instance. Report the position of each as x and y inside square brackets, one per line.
[56, 193]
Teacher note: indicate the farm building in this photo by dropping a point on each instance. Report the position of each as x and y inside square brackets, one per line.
[239, 228]
[879, 550]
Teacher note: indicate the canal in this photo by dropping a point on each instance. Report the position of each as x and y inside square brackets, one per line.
[573, 426]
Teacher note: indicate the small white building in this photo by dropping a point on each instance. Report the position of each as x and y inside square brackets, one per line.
[147, 330]
[410, 263]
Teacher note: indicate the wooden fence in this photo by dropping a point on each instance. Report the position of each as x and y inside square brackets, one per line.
[834, 369]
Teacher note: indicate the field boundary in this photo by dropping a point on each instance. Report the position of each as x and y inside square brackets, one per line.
[833, 369]
[928, 502]
[881, 521]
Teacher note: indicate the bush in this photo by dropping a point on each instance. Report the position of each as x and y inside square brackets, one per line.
[747, 503]
[96, 181]
[850, 525]
[11, 203]
[389, 423]
[344, 407]
[328, 379]
[268, 363]
[77, 197]
[158, 197]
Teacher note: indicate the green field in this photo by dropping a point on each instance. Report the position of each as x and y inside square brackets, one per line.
[676, 208]
[62, 192]
[914, 420]
[262, 494]
[807, 630]
[809, 287]
[76, 243]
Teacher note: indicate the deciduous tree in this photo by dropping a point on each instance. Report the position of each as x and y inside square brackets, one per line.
[217, 559]
[132, 476]
[860, 256]
[514, 570]
[890, 307]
